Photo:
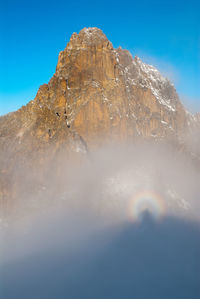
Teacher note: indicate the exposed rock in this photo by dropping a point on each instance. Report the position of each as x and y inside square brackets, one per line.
[97, 94]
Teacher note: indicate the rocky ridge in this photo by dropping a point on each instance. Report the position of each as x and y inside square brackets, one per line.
[98, 94]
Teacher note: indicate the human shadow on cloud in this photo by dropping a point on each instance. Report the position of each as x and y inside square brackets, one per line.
[149, 259]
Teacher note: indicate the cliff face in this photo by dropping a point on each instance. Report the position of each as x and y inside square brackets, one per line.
[106, 94]
[97, 94]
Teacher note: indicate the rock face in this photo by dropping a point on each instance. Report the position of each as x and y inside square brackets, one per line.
[97, 94]
[109, 94]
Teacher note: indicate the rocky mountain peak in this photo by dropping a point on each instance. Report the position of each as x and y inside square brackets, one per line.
[87, 37]
[98, 94]
[83, 46]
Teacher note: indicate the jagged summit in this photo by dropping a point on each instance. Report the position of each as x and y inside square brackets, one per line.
[89, 40]
[87, 36]
[98, 94]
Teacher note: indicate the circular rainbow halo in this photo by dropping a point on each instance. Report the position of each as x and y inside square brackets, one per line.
[146, 202]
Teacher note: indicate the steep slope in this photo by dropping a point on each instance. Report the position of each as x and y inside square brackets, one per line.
[98, 94]
[98, 91]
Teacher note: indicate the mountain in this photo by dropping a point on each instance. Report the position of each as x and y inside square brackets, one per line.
[97, 95]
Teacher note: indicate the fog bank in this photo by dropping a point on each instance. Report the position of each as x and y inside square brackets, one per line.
[123, 223]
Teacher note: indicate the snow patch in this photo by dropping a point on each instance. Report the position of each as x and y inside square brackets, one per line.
[147, 76]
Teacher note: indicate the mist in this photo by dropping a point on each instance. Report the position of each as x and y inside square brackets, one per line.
[123, 222]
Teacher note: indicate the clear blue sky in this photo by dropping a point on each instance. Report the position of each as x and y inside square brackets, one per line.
[32, 33]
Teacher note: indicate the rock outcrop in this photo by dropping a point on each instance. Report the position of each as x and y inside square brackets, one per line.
[98, 94]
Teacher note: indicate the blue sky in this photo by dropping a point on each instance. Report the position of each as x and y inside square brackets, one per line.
[32, 33]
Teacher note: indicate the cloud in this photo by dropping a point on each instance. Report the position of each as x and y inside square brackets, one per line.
[149, 260]
[74, 234]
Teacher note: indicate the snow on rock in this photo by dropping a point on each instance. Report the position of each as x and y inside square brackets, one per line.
[147, 76]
